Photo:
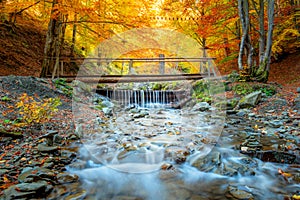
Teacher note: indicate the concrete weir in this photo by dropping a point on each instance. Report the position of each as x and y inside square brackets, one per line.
[146, 98]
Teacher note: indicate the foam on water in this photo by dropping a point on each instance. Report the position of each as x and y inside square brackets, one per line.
[107, 182]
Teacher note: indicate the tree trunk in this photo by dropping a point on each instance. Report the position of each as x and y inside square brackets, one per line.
[246, 48]
[73, 36]
[63, 29]
[262, 35]
[227, 50]
[262, 73]
[57, 50]
[51, 41]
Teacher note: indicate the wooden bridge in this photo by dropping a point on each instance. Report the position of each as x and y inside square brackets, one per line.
[205, 69]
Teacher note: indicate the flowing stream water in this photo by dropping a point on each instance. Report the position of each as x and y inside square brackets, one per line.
[154, 152]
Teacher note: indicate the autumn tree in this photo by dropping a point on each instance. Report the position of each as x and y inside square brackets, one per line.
[88, 23]
[211, 23]
[260, 71]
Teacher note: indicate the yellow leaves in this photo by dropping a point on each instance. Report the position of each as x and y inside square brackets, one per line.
[296, 197]
[284, 175]
[5, 179]
[23, 159]
[284, 41]
[280, 171]
[33, 111]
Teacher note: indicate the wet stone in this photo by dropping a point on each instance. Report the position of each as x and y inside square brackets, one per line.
[202, 106]
[276, 123]
[179, 193]
[79, 164]
[28, 187]
[197, 197]
[12, 193]
[37, 173]
[251, 144]
[57, 139]
[126, 198]
[46, 149]
[49, 165]
[3, 171]
[77, 196]
[66, 178]
[236, 193]
[141, 114]
[250, 100]
[241, 113]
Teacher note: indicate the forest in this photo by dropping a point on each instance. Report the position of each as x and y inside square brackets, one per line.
[156, 99]
[247, 34]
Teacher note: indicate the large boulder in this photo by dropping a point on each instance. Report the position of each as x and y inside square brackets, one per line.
[82, 86]
[202, 106]
[250, 100]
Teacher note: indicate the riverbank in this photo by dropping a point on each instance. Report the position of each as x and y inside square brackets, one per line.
[34, 162]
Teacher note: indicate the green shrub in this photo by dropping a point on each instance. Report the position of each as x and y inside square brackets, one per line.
[242, 88]
[61, 84]
[5, 98]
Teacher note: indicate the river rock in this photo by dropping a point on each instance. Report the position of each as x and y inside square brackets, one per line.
[107, 103]
[207, 163]
[177, 193]
[83, 86]
[202, 106]
[276, 123]
[29, 187]
[197, 197]
[46, 149]
[241, 113]
[107, 111]
[12, 193]
[57, 139]
[79, 164]
[235, 193]
[176, 154]
[3, 171]
[251, 144]
[79, 195]
[297, 103]
[65, 177]
[142, 113]
[29, 175]
[298, 89]
[250, 100]
[26, 190]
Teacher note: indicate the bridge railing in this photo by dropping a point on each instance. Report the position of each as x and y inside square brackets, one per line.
[204, 64]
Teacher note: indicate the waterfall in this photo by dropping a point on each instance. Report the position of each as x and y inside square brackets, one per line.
[144, 98]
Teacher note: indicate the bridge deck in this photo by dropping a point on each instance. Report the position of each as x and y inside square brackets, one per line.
[136, 78]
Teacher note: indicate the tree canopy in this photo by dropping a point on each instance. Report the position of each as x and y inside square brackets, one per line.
[244, 34]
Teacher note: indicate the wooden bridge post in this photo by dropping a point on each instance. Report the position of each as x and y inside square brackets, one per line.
[123, 64]
[99, 58]
[62, 67]
[130, 66]
[204, 64]
[161, 64]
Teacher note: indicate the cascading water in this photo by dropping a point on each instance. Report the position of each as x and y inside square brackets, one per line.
[162, 153]
[145, 98]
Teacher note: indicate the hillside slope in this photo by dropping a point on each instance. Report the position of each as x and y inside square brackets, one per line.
[21, 49]
[287, 71]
